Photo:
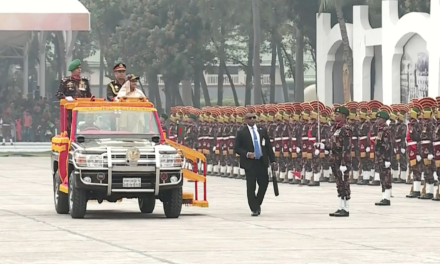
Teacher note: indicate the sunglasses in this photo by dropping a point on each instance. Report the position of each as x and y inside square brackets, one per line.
[251, 117]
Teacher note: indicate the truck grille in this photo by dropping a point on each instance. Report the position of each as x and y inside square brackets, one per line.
[120, 159]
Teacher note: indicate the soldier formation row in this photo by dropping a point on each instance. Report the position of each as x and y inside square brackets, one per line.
[295, 128]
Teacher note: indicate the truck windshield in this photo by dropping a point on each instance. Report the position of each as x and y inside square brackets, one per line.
[116, 122]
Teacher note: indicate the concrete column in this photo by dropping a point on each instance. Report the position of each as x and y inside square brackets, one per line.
[324, 60]
[362, 55]
[26, 70]
[378, 87]
[42, 37]
[70, 39]
[391, 54]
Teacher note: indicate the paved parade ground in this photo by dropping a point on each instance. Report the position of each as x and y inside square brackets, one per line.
[294, 228]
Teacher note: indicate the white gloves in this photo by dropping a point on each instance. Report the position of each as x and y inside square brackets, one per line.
[298, 150]
[319, 145]
[419, 158]
[387, 164]
[395, 150]
[316, 152]
[273, 149]
[402, 150]
[290, 150]
[343, 168]
[326, 152]
[213, 148]
[367, 149]
[430, 156]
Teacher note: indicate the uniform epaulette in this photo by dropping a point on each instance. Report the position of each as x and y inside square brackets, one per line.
[85, 78]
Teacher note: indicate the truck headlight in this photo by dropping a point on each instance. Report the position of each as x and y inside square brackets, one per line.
[93, 161]
[170, 160]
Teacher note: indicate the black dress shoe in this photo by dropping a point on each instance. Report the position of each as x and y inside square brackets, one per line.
[255, 213]
[342, 213]
[426, 196]
[413, 195]
[383, 202]
[437, 198]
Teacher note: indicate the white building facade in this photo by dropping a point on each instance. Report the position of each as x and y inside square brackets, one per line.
[406, 56]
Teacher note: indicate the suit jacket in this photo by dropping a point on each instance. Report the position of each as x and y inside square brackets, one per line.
[244, 144]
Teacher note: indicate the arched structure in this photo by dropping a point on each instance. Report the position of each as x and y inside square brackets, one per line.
[397, 32]
[23, 19]
[328, 42]
[385, 45]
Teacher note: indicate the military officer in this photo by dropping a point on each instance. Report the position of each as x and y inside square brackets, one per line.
[339, 147]
[383, 151]
[374, 106]
[74, 85]
[116, 84]
[353, 121]
[413, 140]
[364, 143]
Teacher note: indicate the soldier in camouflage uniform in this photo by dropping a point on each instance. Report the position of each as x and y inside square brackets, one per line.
[401, 131]
[383, 152]
[354, 123]
[314, 137]
[296, 131]
[339, 147]
[414, 147]
[74, 85]
[374, 108]
[325, 137]
[426, 151]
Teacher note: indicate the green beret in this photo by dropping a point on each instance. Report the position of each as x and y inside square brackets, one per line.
[383, 114]
[192, 116]
[164, 116]
[343, 110]
[74, 65]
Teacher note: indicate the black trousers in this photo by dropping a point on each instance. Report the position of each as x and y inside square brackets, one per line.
[257, 173]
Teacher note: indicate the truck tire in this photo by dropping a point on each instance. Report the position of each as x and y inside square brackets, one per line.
[172, 202]
[77, 200]
[60, 199]
[146, 205]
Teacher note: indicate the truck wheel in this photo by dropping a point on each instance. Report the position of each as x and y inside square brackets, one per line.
[77, 200]
[146, 205]
[61, 200]
[172, 202]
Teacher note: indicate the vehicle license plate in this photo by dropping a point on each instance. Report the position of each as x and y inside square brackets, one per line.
[131, 182]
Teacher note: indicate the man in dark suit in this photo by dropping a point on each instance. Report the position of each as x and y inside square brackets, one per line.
[252, 144]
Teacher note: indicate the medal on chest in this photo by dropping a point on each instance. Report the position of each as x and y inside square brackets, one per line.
[82, 86]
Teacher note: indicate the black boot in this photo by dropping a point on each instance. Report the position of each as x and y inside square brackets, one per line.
[384, 202]
[437, 198]
[337, 212]
[363, 182]
[295, 181]
[413, 195]
[324, 179]
[426, 196]
[341, 213]
[312, 184]
[374, 183]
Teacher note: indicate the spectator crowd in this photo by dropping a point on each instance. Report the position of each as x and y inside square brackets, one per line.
[31, 120]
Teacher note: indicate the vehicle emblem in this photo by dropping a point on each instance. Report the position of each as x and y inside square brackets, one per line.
[133, 156]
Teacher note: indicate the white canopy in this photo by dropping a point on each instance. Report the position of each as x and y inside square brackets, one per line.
[19, 18]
